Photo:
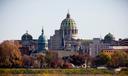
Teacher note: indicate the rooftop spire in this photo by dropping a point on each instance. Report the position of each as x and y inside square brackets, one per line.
[68, 15]
[42, 30]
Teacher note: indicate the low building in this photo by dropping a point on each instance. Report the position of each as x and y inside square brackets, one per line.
[123, 42]
[113, 49]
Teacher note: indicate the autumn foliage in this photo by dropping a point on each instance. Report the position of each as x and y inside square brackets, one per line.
[10, 55]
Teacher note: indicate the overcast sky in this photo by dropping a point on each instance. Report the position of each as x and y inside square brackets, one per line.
[94, 18]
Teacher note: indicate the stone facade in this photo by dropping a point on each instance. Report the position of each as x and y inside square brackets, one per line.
[97, 46]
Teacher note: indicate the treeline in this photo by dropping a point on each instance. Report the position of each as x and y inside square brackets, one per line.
[11, 57]
[117, 59]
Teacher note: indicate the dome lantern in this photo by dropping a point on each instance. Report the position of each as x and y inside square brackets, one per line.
[68, 15]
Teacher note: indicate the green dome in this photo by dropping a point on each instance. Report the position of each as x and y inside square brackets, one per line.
[42, 38]
[68, 23]
[26, 37]
[42, 42]
[109, 38]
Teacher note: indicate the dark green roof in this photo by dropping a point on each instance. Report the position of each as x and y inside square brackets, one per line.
[26, 36]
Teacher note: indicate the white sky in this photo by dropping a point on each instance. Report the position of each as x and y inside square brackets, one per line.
[94, 18]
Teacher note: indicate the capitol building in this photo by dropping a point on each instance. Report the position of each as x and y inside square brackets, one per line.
[66, 37]
[65, 41]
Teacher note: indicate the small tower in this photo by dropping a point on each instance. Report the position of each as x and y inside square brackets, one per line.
[42, 42]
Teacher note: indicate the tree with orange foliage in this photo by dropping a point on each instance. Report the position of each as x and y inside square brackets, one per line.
[10, 55]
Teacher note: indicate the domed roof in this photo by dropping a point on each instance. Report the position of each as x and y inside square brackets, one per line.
[42, 38]
[26, 36]
[68, 23]
[109, 36]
